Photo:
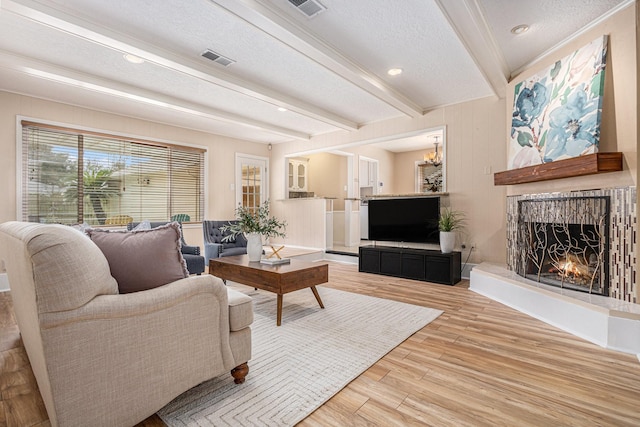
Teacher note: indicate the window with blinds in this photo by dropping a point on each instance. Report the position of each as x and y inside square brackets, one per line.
[71, 176]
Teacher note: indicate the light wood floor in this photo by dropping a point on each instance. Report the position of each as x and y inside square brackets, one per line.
[479, 364]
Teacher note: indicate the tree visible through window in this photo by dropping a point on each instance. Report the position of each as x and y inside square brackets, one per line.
[72, 176]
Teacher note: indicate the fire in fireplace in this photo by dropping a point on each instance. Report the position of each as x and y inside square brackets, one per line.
[565, 255]
[564, 242]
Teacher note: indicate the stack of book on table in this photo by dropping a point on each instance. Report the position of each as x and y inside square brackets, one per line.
[275, 261]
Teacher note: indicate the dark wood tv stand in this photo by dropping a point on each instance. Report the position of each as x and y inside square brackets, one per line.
[418, 264]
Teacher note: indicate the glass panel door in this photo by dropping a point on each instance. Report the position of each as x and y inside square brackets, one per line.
[251, 181]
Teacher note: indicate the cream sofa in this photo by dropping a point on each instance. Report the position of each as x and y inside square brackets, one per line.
[107, 359]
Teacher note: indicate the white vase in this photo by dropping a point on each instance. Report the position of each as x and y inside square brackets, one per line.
[254, 246]
[447, 241]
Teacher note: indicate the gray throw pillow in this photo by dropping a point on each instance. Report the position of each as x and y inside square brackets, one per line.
[144, 225]
[141, 260]
[84, 227]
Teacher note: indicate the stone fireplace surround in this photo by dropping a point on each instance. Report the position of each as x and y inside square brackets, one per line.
[622, 235]
[611, 322]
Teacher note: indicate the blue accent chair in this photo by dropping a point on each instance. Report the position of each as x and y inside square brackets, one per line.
[214, 247]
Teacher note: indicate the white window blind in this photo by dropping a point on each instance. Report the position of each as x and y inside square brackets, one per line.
[72, 176]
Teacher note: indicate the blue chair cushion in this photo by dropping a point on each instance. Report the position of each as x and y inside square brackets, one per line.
[234, 251]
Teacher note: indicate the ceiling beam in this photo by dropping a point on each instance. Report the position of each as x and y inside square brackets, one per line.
[69, 24]
[264, 17]
[46, 71]
[467, 20]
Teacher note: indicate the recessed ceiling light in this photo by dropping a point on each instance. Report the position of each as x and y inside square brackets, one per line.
[519, 29]
[133, 59]
[282, 109]
[394, 71]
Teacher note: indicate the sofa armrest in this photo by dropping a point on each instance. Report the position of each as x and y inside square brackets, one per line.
[104, 307]
[190, 249]
[211, 250]
[142, 349]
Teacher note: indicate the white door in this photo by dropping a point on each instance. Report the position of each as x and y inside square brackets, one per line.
[373, 176]
[252, 187]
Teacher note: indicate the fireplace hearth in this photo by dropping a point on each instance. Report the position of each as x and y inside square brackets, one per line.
[564, 242]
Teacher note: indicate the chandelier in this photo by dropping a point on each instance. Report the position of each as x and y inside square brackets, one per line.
[435, 157]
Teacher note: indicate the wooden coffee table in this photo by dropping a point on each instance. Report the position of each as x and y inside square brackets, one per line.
[279, 279]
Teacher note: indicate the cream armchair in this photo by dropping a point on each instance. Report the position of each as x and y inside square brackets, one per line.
[107, 359]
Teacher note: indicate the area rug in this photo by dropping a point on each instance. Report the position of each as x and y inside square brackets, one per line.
[298, 366]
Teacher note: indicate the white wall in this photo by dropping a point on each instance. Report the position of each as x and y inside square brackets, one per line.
[4, 282]
[220, 155]
[477, 140]
[620, 125]
[475, 145]
[327, 174]
[619, 129]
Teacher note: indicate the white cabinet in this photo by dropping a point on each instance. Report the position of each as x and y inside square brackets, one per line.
[373, 174]
[298, 174]
[363, 173]
[364, 222]
[368, 173]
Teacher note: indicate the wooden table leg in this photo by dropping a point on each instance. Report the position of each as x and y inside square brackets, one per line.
[279, 311]
[317, 295]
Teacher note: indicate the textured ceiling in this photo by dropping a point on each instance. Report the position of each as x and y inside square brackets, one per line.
[550, 22]
[329, 71]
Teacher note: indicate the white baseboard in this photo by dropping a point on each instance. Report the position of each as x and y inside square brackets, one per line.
[4, 282]
[466, 270]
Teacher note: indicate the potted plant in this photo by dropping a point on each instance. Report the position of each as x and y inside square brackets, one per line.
[449, 222]
[254, 223]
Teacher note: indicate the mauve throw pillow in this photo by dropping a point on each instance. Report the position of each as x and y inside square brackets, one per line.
[141, 260]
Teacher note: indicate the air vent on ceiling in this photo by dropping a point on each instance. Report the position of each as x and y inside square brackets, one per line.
[216, 57]
[309, 8]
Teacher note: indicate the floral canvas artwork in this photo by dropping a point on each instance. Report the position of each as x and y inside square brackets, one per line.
[556, 113]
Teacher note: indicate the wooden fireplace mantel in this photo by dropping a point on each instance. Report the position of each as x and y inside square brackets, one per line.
[577, 166]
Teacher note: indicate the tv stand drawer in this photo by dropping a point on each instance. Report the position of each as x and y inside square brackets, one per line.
[418, 264]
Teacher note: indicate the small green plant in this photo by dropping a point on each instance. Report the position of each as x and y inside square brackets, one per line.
[450, 220]
[254, 220]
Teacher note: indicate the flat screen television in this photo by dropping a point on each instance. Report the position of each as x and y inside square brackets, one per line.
[405, 219]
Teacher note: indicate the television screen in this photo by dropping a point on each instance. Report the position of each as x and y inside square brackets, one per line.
[405, 219]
